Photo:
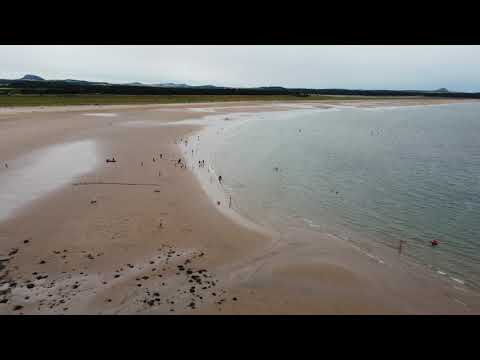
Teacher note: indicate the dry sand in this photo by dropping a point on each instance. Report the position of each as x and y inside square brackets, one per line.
[164, 248]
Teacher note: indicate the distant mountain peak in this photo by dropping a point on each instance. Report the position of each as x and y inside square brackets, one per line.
[32, 78]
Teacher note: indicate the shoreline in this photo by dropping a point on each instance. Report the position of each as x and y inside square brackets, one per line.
[133, 225]
[409, 101]
[216, 192]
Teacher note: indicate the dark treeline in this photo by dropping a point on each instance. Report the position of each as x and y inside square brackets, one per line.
[52, 87]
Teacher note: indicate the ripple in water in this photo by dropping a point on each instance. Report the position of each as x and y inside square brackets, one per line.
[398, 174]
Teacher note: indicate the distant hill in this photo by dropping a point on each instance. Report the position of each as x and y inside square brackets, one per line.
[135, 84]
[171, 85]
[32, 78]
[73, 81]
[271, 88]
[210, 87]
[34, 84]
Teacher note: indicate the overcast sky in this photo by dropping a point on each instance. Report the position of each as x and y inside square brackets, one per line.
[354, 67]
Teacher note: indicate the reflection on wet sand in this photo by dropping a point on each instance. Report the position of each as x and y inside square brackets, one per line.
[43, 171]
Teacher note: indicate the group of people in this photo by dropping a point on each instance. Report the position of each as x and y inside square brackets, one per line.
[179, 162]
[201, 163]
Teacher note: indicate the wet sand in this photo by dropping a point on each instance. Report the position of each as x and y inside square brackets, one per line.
[127, 238]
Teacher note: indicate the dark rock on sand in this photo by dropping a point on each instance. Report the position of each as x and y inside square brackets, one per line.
[17, 307]
[13, 252]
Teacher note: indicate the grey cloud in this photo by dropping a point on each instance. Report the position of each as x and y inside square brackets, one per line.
[367, 67]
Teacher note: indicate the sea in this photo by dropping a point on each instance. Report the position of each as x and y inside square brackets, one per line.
[407, 174]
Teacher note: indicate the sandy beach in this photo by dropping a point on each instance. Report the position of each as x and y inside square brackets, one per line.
[141, 236]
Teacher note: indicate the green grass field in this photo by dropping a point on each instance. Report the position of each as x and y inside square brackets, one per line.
[59, 100]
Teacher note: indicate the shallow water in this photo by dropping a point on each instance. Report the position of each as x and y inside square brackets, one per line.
[389, 174]
[34, 175]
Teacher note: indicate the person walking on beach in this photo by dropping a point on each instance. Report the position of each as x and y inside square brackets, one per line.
[220, 179]
[400, 247]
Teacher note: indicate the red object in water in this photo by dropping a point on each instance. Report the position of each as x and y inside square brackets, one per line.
[435, 242]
